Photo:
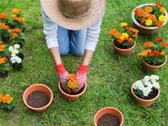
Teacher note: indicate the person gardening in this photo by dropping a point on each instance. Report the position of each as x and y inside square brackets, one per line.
[72, 26]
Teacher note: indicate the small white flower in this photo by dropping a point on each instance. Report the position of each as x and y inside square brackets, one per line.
[16, 46]
[15, 51]
[154, 78]
[10, 48]
[18, 59]
[13, 55]
[156, 85]
[136, 84]
[146, 91]
[148, 84]
[12, 59]
[146, 79]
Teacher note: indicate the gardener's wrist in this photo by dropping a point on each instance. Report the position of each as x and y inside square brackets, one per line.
[60, 68]
[83, 68]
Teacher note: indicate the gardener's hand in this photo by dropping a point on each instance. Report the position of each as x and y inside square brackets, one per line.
[81, 75]
[62, 73]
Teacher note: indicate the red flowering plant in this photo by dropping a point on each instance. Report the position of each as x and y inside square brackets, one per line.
[125, 37]
[71, 86]
[151, 15]
[6, 102]
[155, 52]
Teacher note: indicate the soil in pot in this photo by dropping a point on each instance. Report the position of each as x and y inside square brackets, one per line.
[152, 95]
[109, 120]
[37, 99]
[73, 93]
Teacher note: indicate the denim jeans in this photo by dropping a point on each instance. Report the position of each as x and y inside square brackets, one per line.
[71, 41]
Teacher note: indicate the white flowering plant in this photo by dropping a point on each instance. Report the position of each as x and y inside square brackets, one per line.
[147, 88]
[16, 57]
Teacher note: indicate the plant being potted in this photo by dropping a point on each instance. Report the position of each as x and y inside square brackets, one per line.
[123, 42]
[38, 97]
[149, 18]
[6, 102]
[154, 55]
[4, 65]
[108, 116]
[146, 90]
[16, 57]
[70, 89]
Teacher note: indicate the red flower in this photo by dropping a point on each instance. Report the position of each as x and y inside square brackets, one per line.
[158, 39]
[155, 53]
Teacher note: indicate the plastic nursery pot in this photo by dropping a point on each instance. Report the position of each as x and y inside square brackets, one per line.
[38, 87]
[154, 67]
[108, 110]
[123, 51]
[145, 102]
[143, 29]
[71, 97]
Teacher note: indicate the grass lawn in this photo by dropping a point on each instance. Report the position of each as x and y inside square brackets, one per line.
[109, 79]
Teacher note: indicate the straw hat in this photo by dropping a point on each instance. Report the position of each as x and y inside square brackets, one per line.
[74, 14]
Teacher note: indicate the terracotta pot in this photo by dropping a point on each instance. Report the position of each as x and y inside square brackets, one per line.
[123, 51]
[108, 110]
[144, 102]
[154, 67]
[38, 87]
[69, 96]
[143, 29]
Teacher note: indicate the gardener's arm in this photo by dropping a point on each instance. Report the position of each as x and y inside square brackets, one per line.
[91, 42]
[50, 29]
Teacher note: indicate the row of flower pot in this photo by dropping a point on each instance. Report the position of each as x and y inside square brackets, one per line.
[38, 97]
[148, 19]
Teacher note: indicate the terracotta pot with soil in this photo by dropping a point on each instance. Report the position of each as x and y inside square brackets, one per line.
[71, 97]
[38, 97]
[108, 116]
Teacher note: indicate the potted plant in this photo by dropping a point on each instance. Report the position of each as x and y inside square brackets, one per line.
[38, 97]
[70, 89]
[146, 90]
[4, 65]
[123, 42]
[6, 102]
[149, 18]
[5, 35]
[154, 55]
[16, 57]
[108, 116]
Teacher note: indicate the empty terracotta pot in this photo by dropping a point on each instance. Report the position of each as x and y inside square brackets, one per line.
[38, 87]
[108, 110]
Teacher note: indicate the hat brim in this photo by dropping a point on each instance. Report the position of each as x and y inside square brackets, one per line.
[96, 10]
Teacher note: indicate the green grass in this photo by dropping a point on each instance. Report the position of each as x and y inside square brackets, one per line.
[109, 79]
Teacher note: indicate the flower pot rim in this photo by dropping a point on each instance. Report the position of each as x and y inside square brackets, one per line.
[145, 27]
[41, 108]
[157, 66]
[141, 99]
[72, 95]
[107, 108]
[124, 49]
